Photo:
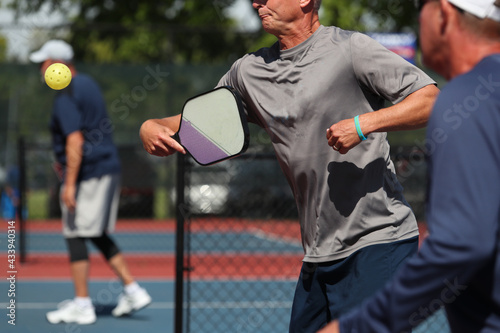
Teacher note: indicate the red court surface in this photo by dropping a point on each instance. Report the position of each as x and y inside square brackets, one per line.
[121, 225]
[40, 266]
[46, 267]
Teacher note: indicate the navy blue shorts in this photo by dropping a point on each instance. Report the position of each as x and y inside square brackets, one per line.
[327, 290]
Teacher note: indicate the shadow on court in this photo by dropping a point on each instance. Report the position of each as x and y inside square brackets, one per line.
[34, 299]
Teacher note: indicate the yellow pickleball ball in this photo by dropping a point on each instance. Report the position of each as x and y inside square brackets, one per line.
[57, 76]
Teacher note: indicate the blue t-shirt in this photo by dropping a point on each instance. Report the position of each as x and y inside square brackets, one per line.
[458, 265]
[81, 107]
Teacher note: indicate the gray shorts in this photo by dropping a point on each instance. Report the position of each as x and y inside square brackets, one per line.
[96, 207]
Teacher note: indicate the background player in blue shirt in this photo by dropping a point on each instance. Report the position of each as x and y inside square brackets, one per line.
[90, 173]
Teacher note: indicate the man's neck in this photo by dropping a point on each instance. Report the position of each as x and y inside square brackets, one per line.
[467, 54]
[298, 34]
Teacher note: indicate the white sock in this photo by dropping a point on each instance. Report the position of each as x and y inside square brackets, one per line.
[83, 302]
[131, 288]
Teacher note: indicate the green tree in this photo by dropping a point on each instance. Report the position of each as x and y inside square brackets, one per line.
[126, 31]
[371, 15]
[3, 49]
[187, 31]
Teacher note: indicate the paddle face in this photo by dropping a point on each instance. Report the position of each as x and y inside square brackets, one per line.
[213, 126]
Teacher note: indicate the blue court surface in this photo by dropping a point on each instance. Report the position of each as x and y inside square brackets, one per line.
[34, 299]
[164, 243]
[233, 311]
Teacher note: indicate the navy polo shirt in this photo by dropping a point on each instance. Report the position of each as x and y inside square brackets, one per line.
[81, 107]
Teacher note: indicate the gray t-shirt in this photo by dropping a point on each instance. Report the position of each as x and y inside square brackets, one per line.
[345, 202]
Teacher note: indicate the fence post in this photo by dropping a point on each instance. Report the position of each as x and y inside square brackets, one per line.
[179, 264]
[21, 150]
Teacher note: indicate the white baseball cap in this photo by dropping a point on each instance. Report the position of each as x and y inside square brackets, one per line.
[480, 8]
[53, 49]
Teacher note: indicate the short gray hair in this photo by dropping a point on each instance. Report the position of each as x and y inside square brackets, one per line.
[486, 28]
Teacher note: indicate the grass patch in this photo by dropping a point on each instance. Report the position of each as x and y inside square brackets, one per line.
[38, 204]
[162, 207]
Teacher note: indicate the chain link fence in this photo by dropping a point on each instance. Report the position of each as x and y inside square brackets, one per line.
[242, 251]
[242, 243]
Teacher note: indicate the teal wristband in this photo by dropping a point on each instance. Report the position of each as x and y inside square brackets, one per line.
[358, 129]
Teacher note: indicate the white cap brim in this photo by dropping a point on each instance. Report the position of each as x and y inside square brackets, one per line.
[38, 57]
[480, 8]
[53, 49]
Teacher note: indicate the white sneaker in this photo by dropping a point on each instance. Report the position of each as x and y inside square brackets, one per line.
[131, 303]
[69, 312]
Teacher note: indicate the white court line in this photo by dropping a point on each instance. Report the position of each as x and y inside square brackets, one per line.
[43, 306]
[241, 305]
[269, 236]
[171, 305]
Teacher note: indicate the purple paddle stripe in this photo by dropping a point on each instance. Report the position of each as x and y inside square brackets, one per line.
[201, 148]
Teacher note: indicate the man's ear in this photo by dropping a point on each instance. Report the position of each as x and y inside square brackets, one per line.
[305, 3]
[448, 16]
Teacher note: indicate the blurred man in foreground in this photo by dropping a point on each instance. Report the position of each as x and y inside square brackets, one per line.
[458, 265]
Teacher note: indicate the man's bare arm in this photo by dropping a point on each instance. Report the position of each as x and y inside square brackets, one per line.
[74, 155]
[411, 113]
[156, 136]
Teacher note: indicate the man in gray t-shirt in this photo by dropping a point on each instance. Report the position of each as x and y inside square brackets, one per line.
[345, 201]
[316, 89]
